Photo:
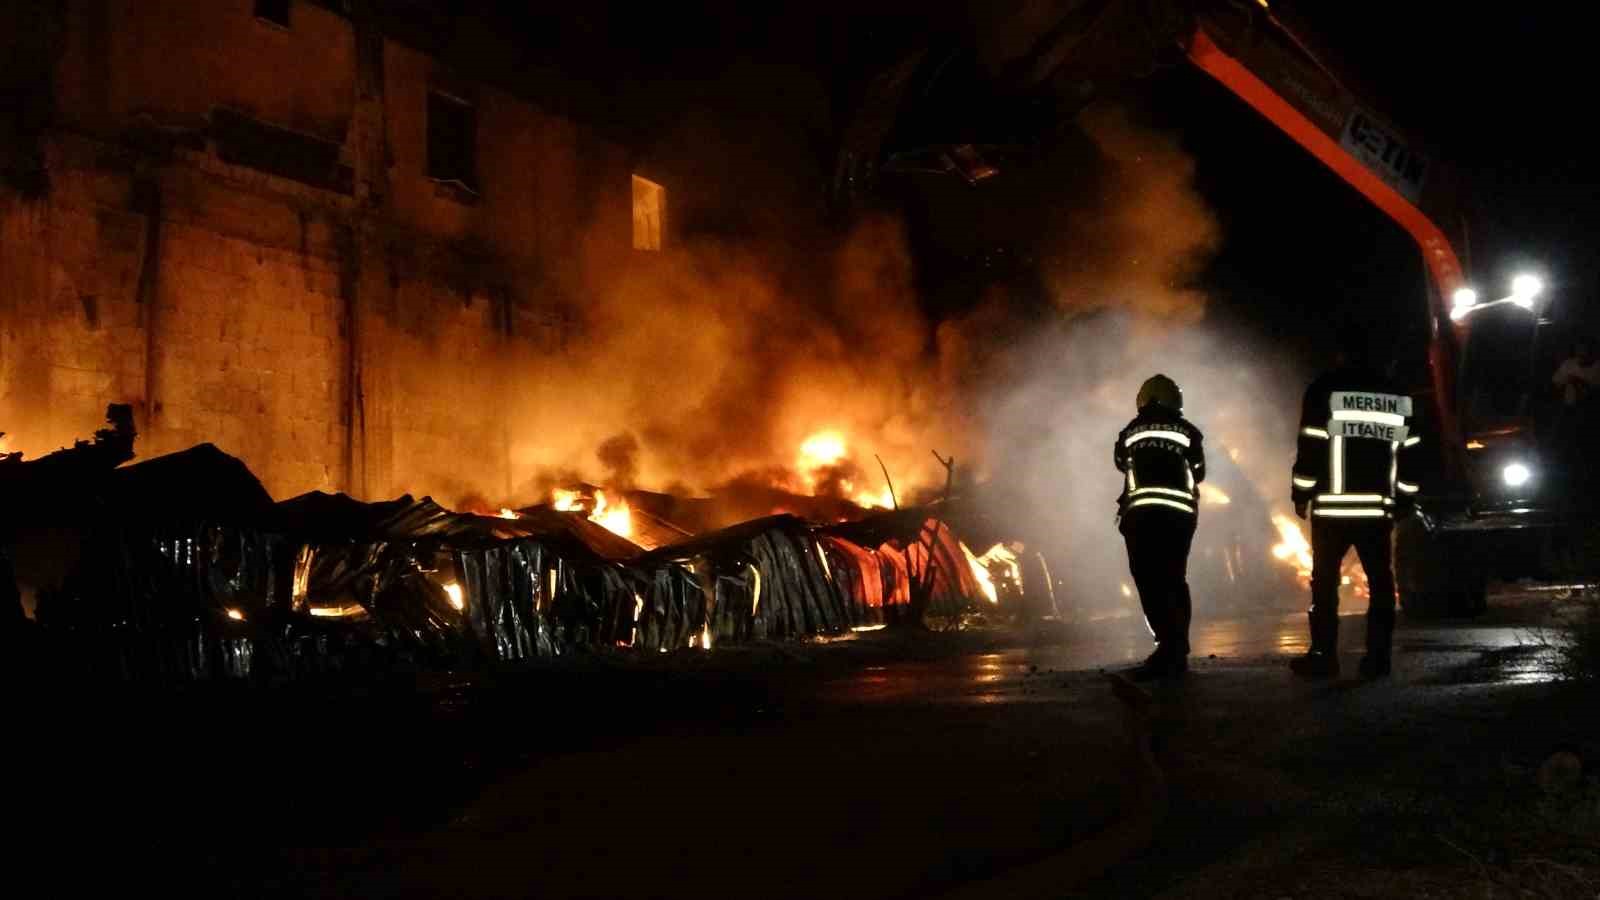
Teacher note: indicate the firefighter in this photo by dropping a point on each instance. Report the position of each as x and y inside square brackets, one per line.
[1163, 462]
[1354, 474]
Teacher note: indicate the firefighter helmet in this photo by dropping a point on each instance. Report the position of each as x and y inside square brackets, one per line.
[1161, 390]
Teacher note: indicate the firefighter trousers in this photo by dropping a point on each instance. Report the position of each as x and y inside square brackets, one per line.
[1158, 558]
[1330, 539]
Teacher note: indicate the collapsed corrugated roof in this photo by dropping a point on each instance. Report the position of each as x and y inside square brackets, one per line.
[322, 517]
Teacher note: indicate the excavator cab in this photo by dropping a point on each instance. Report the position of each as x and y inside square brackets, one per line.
[1511, 460]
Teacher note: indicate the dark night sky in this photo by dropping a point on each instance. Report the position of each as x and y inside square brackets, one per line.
[1497, 90]
[1501, 91]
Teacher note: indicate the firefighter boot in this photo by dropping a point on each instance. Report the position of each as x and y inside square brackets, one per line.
[1380, 636]
[1322, 660]
[1158, 665]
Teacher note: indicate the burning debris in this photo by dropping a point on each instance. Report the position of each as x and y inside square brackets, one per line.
[203, 576]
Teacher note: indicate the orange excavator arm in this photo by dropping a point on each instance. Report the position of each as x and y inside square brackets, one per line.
[1269, 67]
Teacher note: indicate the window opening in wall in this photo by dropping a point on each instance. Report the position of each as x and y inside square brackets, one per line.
[274, 11]
[649, 213]
[452, 140]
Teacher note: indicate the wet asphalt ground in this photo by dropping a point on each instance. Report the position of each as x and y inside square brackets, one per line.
[871, 768]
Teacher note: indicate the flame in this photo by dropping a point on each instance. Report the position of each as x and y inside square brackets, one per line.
[705, 636]
[825, 450]
[507, 513]
[235, 614]
[457, 600]
[1002, 555]
[1210, 493]
[302, 577]
[1293, 547]
[821, 450]
[883, 499]
[981, 573]
[1295, 550]
[337, 612]
[614, 516]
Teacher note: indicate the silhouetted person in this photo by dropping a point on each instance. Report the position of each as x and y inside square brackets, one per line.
[1162, 461]
[1353, 474]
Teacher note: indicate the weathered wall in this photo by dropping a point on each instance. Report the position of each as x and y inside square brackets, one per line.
[368, 340]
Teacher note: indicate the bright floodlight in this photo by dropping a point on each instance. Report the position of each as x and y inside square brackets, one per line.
[1516, 475]
[1465, 296]
[1526, 287]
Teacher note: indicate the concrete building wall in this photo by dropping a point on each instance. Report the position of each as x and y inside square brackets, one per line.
[363, 338]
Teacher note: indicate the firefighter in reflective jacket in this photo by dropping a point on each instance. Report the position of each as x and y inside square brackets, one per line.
[1354, 474]
[1163, 462]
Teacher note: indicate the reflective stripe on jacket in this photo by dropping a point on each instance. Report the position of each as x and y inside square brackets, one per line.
[1162, 460]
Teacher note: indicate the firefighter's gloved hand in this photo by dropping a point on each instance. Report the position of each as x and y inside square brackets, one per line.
[1300, 508]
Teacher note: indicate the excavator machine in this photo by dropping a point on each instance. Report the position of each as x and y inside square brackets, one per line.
[1041, 63]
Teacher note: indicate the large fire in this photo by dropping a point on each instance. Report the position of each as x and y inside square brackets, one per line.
[823, 449]
[826, 453]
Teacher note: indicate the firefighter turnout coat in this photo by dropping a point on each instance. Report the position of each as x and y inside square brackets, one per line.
[1357, 454]
[1162, 461]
